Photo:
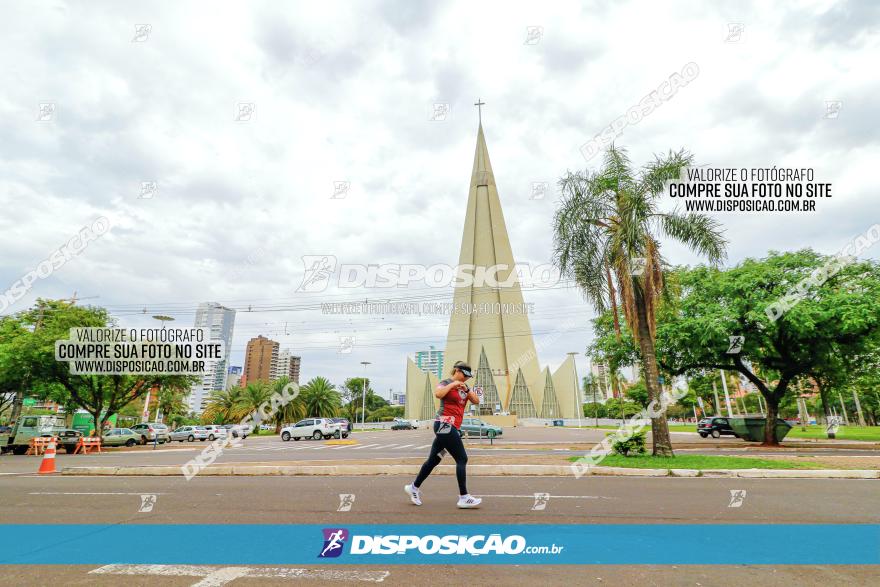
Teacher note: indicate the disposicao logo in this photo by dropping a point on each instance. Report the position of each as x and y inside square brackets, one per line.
[334, 541]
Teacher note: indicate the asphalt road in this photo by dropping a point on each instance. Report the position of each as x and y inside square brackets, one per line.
[300, 500]
[389, 445]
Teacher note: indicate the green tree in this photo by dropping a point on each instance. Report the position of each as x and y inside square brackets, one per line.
[253, 396]
[638, 393]
[610, 219]
[291, 411]
[224, 405]
[840, 314]
[28, 365]
[320, 398]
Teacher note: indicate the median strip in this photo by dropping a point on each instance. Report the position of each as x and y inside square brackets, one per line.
[478, 470]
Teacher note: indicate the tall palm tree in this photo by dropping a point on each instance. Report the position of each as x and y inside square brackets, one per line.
[223, 405]
[253, 396]
[291, 411]
[320, 398]
[608, 225]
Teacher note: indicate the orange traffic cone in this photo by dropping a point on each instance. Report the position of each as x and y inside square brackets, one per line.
[48, 464]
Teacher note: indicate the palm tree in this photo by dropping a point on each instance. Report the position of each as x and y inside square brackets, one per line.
[223, 405]
[171, 403]
[253, 396]
[607, 225]
[291, 411]
[320, 398]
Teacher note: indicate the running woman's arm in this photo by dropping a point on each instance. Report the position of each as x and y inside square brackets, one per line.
[442, 390]
[473, 397]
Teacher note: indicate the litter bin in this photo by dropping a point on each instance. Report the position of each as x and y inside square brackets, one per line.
[752, 428]
[558, 423]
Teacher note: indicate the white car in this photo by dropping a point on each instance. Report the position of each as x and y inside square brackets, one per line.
[215, 431]
[189, 433]
[316, 428]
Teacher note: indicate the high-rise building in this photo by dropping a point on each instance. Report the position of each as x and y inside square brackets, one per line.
[287, 366]
[430, 361]
[398, 398]
[498, 344]
[220, 320]
[260, 360]
[233, 377]
[602, 379]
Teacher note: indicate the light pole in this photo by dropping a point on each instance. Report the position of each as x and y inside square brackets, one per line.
[364, 396]
[145, 415]
[577, 395]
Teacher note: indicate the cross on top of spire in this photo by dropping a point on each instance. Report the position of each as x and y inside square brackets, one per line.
[479, 104]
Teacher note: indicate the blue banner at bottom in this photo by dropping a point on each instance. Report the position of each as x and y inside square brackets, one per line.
[539, 544]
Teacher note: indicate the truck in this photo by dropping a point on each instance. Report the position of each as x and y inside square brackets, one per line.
[18, 439]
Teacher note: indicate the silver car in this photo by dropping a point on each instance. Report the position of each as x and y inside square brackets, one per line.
[189, 433]
[152, 431]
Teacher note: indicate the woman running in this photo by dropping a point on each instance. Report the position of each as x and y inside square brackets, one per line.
[454, 395]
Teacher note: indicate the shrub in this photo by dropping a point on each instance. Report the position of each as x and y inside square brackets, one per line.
[634, 445]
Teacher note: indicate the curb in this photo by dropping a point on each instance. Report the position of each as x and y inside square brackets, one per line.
[478, 470]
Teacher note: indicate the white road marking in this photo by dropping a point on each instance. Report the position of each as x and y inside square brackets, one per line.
[532, 496]
[365, 446]
[90, 493]
[404, 446]
[424, 446]
[213, 576]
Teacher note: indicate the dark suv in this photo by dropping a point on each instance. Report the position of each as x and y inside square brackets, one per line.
[715, 426]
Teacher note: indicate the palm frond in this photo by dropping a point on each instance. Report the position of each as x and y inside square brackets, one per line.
[698, 231]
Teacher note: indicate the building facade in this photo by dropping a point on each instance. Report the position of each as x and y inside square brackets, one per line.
[430, 361]
[221, 321]
[233, 376]
[260, 360]
[287, 366]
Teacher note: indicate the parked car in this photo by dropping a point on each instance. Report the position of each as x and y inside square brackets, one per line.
[238, 430]
[476, 427]
[150, 431]
[316, 428]
[715, 426]
[402, 425]
[345, 427]
[215, 431]
[189, 433]
[120, 437]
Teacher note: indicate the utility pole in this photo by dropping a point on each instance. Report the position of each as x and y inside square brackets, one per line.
[364, 396]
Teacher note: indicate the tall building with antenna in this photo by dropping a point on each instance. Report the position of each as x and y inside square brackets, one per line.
[221, 321]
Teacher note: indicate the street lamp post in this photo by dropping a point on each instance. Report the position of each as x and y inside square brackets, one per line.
[364, 396]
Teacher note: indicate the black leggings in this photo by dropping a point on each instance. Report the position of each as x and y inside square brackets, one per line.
[447, 437]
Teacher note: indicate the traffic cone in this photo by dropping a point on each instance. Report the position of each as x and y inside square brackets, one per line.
[48, 464]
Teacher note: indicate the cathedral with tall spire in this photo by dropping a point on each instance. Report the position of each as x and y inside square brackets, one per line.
[497, 344]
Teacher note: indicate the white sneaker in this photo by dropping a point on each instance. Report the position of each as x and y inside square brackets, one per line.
[414, 494]
[469, 501]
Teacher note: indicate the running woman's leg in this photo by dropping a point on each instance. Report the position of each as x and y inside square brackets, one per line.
[455, 446]
[433, 458]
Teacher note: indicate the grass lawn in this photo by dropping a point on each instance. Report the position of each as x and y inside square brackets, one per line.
[701, 462]
[869, 433]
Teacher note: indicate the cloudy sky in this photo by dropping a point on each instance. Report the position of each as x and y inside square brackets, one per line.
[101, 98]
